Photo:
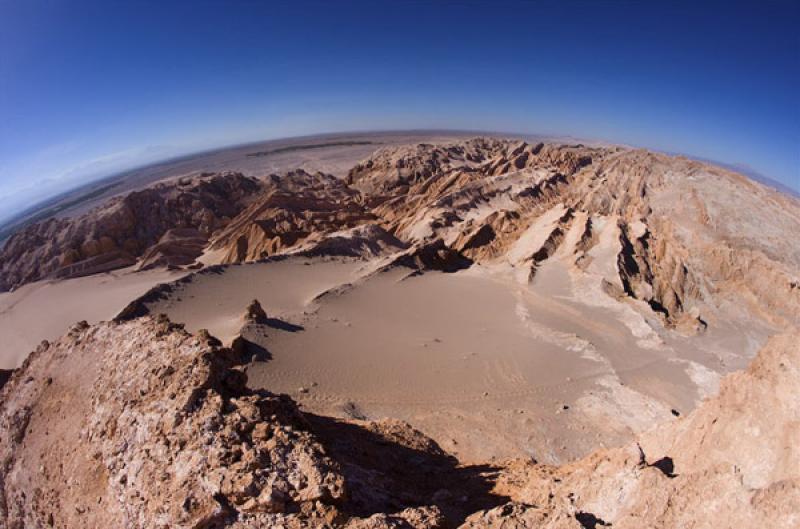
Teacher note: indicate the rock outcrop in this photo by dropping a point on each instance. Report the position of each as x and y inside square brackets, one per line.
[143, 425]
[292, 208]
[139, 424]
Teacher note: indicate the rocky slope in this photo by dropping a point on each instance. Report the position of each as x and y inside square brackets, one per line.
[292, 208]
[140, 424]
[143, 425]
[168, 223]
[682, 236]
[734, 462]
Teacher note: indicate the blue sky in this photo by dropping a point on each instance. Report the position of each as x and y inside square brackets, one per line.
[89, 88]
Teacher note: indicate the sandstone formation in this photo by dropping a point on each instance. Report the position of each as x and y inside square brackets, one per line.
[168, 223]
[291, 209]
[680, 235]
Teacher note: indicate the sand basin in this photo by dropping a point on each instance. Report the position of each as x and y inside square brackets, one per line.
[486, 365]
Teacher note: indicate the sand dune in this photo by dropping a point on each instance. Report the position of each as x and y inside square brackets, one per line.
[215, 300]
[482, 363]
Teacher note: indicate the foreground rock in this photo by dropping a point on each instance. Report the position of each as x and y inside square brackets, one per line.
[143, 425]
[140, 424]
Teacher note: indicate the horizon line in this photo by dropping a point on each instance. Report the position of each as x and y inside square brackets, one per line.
[737, 167]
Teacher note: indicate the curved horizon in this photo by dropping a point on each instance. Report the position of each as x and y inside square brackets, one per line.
[31, 209]
[92, 91]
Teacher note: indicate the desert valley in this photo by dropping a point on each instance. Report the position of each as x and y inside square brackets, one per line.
[405, 330]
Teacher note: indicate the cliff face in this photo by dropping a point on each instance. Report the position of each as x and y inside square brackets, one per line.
[140, 424]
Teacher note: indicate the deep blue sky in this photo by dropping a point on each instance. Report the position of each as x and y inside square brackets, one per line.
[87, 88]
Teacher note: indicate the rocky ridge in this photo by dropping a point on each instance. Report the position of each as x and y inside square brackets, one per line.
[140, 424]
[168, 223]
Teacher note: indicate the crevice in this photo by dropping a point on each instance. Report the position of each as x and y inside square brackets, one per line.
[590, 521]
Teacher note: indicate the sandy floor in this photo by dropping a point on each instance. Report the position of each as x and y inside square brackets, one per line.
[486, 365]
[46, 309]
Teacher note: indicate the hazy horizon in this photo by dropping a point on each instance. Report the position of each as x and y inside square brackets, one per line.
[97, 178]
[91, 90]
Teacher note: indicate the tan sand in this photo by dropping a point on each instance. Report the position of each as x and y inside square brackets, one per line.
[216, 301]
[483, 363]
[45, 310]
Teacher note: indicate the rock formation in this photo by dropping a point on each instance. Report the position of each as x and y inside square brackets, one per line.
[138, 423]
[292, 208]
[168, 223]
[734, 462]
[675, 226]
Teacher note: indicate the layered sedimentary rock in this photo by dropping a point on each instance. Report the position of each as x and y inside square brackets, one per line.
[292, 208]
[162, 222]
[682, 236]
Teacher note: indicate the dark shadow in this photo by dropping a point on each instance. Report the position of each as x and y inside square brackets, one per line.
[396, 468]
[665, 465]
[354, 411]
[282, 325]
[5, 374]
[658, 307]
[247, 351]
[590, 521]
